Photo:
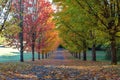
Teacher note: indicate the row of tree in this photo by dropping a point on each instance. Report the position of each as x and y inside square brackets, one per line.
[33, 27]
[88, 23]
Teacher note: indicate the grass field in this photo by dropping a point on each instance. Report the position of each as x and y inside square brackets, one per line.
[100, 55]
[13, 55]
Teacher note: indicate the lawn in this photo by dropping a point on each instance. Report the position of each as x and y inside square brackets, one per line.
[13, 55]
[100, 55]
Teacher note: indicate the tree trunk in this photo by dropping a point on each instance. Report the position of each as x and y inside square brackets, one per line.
[79, 55]
[45, 55]
[72, 54]
[48, 54]
[84, 50]
[93, 53]
[76, 55]
[21, 47]
[113, 51]
[84, 55]
[33, 47]
[6, 14]
[33, 54]
[38, 55]
[42, 55]
[21, 32]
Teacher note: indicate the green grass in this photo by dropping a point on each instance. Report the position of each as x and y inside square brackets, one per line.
[13, 55]
[100, 55]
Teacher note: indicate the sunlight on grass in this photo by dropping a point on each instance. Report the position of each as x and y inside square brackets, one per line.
[13, 55]
[8, 52]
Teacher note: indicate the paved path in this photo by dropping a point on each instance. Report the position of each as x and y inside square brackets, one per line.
[59, 55]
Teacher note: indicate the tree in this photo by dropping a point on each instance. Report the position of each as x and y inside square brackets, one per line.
[18, 8]
[21, 32]
[35, 21]
[33, 15]
[5, 9]
[106, 13]
[48, 40]
[80, 26]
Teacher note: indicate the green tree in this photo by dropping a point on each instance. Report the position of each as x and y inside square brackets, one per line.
[107, 15]
[75, 37]
[80, 23]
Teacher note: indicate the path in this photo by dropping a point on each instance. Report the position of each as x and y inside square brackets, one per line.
[59, 55]
[60, 66]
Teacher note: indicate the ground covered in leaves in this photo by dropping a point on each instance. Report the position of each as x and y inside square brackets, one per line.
[59, 69]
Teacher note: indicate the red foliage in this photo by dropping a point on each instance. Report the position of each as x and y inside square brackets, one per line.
[38, 27]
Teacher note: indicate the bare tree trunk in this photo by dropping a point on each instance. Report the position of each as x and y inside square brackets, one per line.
[38, 55]
[79, 55]
[45, 55]
[33, 56]
[33, 47]
[48, 54]
[42, 55]
[93, 53]
[76, 55]
[113, 51]
[84, 55]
